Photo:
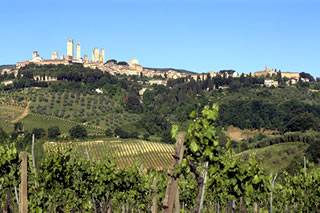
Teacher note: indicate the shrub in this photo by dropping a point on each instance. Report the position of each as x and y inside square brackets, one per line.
[109, 132]
[78, 131]
[3, 135]
[38, 133]
[146, 136]
[53, 132]
[313, 151]
[121, 133]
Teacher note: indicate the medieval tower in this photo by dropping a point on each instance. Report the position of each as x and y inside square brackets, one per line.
[70, 48]
[78, 50]
[101, 56]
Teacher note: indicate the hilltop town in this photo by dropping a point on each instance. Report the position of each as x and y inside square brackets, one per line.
[133, 67]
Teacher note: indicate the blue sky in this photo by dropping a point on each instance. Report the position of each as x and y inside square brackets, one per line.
[198, 35]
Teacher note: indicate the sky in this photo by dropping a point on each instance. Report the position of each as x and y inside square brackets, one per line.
[197, 35]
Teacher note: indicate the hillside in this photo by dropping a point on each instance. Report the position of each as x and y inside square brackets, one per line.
[7, 66]
[248, 112]
[173, 69]
[124, 153]
[279, 157]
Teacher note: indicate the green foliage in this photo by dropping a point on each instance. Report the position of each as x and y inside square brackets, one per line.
[299, 193]
[66, 183]
[78, 131]
[133, 104]
[284, 109]
[313, 151]
[18, 127]
[3, 136]
[236, 180]
[122, 133]
[228, 178]
[202, 143]
[38, 133]
[109, 132]
[54, 132]
[9, 172]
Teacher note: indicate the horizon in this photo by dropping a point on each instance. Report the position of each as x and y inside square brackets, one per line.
[196, 36]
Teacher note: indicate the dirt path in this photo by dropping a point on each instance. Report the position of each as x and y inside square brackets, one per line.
[23, 114]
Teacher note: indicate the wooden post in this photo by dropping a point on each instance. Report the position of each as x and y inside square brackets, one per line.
[177, 203]
[233, 206]
[255, 207]
[242, 206]
[271, 193]
[6, 208]
[154, 207]
[202, 189]
[23, 207]
[32, 151]
[172, 187]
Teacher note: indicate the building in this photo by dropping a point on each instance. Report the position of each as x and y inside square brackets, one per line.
[95, 55]
[157, 82]
[228, 74]
[267, 72]
[78, 51]
[85, 59]
[134, 65]
[271, 83]
[44, 78]
[54, 55]
[36, 58]
[101, 56]
[292, 81]
[290, 75]
[70, 48]
[6, 83]
[35, 54]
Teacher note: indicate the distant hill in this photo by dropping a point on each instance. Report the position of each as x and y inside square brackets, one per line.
[7, 66]
[174, 69]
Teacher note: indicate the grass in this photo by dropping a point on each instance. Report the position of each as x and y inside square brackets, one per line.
[42, 121]
[124, 152]
[8, 113]
[277, 157]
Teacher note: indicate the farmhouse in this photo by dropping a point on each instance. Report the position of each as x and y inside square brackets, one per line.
[271, 83]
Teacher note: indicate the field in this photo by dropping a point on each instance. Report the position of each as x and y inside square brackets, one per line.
[9, 114]
[277, 157]
[102, 110]
[123, 152]
[33, 120]
[237, 134]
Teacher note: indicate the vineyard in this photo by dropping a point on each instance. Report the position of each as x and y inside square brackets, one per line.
[124, 152]
[202, 175]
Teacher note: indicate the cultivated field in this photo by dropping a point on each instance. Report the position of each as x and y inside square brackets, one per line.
[123, 152]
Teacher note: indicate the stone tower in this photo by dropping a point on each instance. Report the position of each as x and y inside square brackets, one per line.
[78, 48]
[95, 55]
[35, 54]
[101, 56]
[70, 48]
[54, 55]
